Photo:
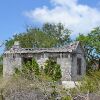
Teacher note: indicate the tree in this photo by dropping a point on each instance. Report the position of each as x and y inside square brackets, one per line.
[58, 31]
[91, 43]
[50, 35]
[1, 64]
[1, 60]
[52, 69]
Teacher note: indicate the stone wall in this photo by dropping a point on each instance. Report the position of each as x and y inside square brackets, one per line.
[65, 64]
[79, 54]
[10, 62]
[14, 58]
[67, 61]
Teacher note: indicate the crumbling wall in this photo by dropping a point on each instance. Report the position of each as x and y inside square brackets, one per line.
[10, 62]
[79, 54]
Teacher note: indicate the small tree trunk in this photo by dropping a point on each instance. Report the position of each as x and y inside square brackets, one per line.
[87, 96]
[99, 65]
[1, 95]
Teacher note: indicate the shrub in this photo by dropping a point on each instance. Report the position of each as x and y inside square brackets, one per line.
[35, 66]
[52, 69]
[31, 67]
[91, 82]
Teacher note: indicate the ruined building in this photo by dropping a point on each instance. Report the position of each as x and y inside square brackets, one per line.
[70, 58]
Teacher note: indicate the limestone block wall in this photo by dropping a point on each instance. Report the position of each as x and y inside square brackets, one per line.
[65, 63]
[75, 76]
[10, 62]
[41, 59]
[79, 54]
[63, 59]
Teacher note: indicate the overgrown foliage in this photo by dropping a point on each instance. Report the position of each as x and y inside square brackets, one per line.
[30, 79]
[55, 35]
[24, 84]
[30, 67]
[90, 84]
[29, 70]
[50, 35]
[91, 43]
[61, 34]
[52, 69]
[31, 83]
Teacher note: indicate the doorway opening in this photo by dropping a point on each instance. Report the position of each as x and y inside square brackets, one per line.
[25, 60]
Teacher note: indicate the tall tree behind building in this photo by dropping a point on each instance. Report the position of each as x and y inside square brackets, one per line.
[50, 35]
[91, 43]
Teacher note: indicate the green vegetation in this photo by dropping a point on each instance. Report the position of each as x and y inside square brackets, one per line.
[32, 78]
[91, 82]
[50, 35]
[88, 85]
[42, 84]
[30, 67]
[55, 35]
[91, 44]
[52, 69]
[29, 70]
[1, 65]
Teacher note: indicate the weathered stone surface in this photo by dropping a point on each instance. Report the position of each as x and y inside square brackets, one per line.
[91, 96]
[32, 95]
[66, 56]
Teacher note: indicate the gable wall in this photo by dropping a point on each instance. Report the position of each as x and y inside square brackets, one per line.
[67, 61]
[79, 54]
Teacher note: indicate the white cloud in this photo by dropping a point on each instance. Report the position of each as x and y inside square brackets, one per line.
[79, 18]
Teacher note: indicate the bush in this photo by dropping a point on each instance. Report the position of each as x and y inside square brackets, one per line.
[91, 82]
[22, 88]
[52, 69]
[30, 67]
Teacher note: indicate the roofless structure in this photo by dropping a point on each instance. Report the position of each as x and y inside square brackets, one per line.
[70, 58]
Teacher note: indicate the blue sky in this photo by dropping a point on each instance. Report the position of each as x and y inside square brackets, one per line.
[12, 18]
[15, 15]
